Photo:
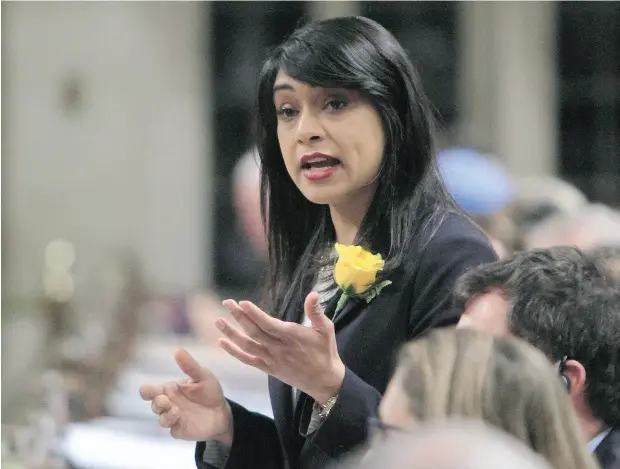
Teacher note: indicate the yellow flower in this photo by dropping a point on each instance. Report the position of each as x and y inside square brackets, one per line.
[356, 268]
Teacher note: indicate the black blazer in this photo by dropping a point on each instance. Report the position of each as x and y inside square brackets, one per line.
[368, 335]
[608, 450]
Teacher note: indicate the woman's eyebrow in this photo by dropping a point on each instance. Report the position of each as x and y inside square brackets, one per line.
[282, 86]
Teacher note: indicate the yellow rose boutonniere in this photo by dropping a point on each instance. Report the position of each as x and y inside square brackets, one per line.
[355, 274]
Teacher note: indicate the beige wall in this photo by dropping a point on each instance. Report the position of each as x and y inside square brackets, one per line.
[508, 75]
[126, 167]
[332, 9]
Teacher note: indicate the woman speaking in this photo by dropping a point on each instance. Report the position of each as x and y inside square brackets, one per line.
[364, 247]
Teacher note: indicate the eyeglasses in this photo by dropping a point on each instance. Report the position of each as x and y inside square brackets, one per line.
[377, 429]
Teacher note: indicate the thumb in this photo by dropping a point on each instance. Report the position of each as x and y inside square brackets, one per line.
[314, 312]
[190, 366]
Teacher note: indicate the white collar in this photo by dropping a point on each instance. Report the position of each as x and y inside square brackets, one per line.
[594, 442]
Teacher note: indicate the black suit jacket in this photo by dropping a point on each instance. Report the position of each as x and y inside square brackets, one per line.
[608, 450]
[368, 335]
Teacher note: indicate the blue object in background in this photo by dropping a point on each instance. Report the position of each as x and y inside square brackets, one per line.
[477, 185]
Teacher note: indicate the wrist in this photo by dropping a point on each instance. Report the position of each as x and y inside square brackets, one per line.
[332, 387]
[226, 438]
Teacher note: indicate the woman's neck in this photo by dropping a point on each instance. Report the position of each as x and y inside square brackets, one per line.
[347, 219]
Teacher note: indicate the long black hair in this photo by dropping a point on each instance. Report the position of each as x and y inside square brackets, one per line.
[410, 200]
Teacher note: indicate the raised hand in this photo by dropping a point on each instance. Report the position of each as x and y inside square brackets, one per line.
[304, 357]
[193, 409]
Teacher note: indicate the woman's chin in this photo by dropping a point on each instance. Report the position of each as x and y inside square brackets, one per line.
[322, 195]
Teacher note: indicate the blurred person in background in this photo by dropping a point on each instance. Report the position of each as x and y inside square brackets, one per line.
[365, 245]
[504, 382]
[609, 257]
[483, 190]
[245, 255]
[589, 227]
[538, 198]
[452, 444]
[246, 200]
[566, 304]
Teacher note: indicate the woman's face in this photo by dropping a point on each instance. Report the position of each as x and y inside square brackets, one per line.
[331, 140]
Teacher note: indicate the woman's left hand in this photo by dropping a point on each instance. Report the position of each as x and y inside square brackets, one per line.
[303, 357]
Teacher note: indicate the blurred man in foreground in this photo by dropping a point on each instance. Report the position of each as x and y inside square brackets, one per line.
[451, 445]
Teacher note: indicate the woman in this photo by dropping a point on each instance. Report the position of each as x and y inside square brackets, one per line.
[504, 382]
[346, 147]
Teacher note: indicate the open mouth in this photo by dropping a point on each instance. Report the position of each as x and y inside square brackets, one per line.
[320, 163]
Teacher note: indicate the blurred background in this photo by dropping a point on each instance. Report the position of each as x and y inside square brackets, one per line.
[130, 194]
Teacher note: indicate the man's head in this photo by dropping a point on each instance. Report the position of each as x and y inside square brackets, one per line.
[566, 304]
[592, 226]
[246, 200]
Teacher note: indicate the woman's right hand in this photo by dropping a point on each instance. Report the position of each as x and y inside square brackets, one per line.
[194, 409]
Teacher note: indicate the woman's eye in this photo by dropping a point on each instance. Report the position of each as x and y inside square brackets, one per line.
[286, 113]
[336, 104]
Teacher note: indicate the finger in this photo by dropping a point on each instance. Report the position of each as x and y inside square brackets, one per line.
[172, 389]
[248, 326]
[190, 366]
[170, 418]
[161, 404]
[237, 312]
[250, 360]
[148, 392]
[232, 305]
[314, 312]
[244, 342]
[176, 432]
[272, 326]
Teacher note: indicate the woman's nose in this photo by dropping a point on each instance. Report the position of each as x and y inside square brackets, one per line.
[309, 128]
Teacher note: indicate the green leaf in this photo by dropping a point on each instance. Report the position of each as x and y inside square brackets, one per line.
[382, 285]
[370, 296]
[341, 302]
[374, 291]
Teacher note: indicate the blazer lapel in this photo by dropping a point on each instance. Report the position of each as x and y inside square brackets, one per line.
[281, 400]
[352, 305]
[282, 406]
